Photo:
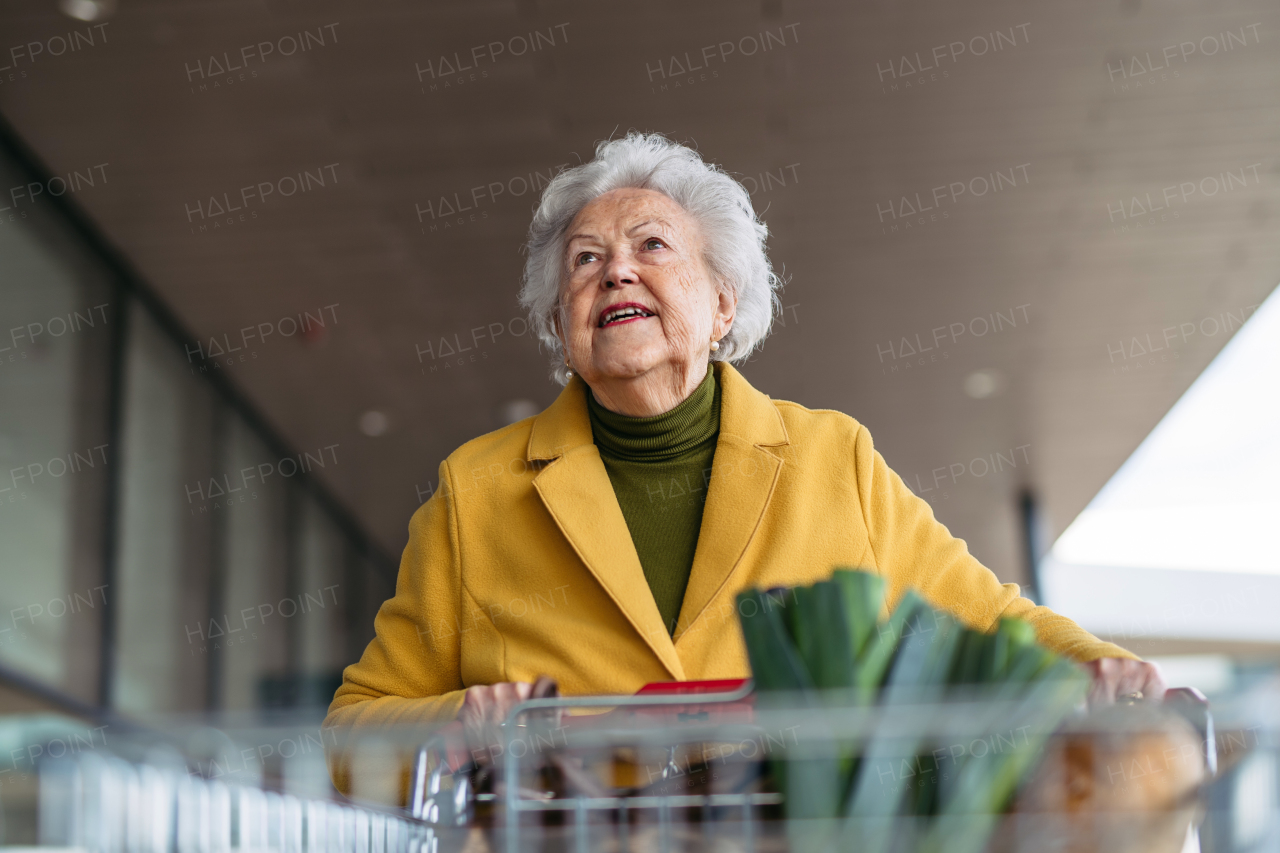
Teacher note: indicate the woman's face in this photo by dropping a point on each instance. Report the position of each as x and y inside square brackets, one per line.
[638, 298]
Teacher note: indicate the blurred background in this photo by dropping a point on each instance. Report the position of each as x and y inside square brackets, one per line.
[258, 274]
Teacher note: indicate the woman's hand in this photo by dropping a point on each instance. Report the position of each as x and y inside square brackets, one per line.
[1117, 678]
[486, 706]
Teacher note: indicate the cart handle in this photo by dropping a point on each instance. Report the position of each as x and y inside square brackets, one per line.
[642, 700]
[1192, 704]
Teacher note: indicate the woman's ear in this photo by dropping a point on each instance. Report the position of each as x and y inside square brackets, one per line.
[726, 308]
[555, 326]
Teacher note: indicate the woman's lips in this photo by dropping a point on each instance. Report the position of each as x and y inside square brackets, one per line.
[632, 311]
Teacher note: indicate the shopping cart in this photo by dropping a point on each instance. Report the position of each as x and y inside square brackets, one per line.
[693, 767]
[689, 765]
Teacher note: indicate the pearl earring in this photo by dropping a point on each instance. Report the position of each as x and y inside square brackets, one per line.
[715, 345]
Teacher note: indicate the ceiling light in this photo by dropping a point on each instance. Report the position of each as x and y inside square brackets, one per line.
[982, 384]
[88, 10]
[373, 423]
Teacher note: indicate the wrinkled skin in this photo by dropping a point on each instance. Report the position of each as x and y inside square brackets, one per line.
[1114, 678]
[639, 246]
[485, 707]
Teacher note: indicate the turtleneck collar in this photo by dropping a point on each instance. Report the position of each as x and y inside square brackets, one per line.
[693, 422]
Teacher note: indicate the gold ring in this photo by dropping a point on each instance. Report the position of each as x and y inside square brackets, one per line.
[1130, 698]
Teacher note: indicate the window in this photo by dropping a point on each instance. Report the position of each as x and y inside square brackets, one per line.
[165, 631]
[161, 550]
[1195, 501]
[55, 333]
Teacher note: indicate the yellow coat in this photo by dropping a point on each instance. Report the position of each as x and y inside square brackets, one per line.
[521, 563]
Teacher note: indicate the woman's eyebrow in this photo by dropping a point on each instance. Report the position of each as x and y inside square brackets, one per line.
[634, 228]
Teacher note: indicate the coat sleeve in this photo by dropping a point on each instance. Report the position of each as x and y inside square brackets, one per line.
[409, 676]
[912, 549]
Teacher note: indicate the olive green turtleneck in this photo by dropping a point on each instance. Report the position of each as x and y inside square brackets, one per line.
[660, 468]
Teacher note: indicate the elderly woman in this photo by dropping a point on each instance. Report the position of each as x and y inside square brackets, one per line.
[602, 542]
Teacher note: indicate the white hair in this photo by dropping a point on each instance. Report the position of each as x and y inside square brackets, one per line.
[734, 237]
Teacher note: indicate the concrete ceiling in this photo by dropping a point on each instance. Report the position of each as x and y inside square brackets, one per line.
[1067, 111]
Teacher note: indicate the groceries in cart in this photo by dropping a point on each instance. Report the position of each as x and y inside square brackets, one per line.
[895, 787]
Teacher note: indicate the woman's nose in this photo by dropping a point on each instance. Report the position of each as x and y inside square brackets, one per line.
[619, 271]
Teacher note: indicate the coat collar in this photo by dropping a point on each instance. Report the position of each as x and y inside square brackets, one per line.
[744, 412]
[575, 489]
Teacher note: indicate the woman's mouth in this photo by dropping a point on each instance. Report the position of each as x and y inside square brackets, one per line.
[626, 312]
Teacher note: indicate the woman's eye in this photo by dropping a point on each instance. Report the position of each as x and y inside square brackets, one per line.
[654, 243]
[584, 257]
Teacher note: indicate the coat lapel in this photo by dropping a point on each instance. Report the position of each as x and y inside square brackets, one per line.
[576, 491]
[743, 477]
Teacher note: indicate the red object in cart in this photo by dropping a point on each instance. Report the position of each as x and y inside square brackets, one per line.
[723, 685]
[740, 708]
